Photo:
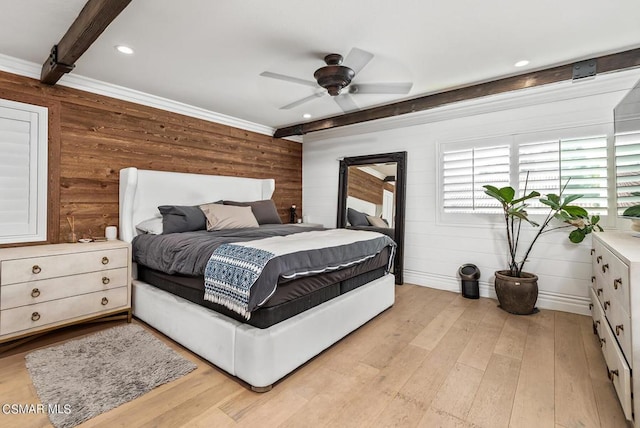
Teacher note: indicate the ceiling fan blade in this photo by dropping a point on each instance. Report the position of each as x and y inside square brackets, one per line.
[346, 103]
[380, 88]
[302, 101]
[289, 79]
[357, 59]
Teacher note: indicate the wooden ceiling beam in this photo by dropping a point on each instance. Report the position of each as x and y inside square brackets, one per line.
[94, 18]
[604, 64]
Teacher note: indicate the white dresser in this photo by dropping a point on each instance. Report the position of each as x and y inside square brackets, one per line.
[43, 287]
[616, 271]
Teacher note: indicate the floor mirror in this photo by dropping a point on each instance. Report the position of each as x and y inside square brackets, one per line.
[375, 185]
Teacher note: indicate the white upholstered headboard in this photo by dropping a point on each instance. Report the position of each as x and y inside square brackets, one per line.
[142, 191]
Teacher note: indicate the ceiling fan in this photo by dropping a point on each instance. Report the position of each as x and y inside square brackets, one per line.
[334, 77]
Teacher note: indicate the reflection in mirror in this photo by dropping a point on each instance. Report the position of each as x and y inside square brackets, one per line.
[371, 190]
[371, 197]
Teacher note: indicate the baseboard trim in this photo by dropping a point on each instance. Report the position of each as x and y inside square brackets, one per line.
[546, 300]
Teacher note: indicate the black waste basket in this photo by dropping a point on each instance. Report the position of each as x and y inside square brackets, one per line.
[469, 274]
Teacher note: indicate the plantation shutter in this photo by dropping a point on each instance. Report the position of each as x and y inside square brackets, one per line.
[23, 175]
[580, 162]
[540, 162]
[627, 158]
[466, 171]
[584, 164]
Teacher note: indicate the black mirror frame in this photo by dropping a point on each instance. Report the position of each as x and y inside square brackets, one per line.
[401, 182]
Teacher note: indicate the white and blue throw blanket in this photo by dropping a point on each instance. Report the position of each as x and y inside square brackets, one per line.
[243, 275]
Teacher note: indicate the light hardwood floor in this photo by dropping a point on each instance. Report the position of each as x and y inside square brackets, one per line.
[434, 359]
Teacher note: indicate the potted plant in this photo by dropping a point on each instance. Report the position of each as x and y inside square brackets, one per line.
[516, 289]
[633, 213]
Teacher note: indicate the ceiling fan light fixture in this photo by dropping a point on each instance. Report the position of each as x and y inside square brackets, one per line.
[334, 77]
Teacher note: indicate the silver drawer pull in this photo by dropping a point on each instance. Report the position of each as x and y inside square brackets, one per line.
[593, 279]
[590, 306]
[606, 304]
[593, 251]
[36, 269]
[105, 260]
[105, 301]
[105, 280]
[603, 342]
[617, 282]
[619, 328]
[35, 292]
[35, 316]
[605, 267]
[599, 291]
[598, 259]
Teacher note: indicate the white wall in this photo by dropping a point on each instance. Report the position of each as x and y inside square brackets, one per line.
[434, 247]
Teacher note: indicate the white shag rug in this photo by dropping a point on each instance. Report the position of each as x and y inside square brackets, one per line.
[83, 378]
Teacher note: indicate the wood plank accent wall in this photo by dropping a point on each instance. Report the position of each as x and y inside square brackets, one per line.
[91, 137]
[365, 186]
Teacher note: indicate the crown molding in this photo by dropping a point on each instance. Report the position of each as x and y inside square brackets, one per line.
[602, 83]
[29, 69]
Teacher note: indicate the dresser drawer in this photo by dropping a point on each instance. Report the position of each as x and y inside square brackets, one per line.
[41, 314]
[37, 268]
[27, 293]
[597, 314]
[619, 283]
[598, 291]
[620, 324]
[618, 368]
[612, 275]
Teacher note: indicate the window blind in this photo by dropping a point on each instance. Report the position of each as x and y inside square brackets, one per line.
[15, 179]
[545, 166]
[583, 164]
[580, 162]
[627, 159]
[23, 172]
[466, 171]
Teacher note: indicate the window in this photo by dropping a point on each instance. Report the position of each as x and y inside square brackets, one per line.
[545, 165]
[466, 171]
[627, 169]
[580, 164]
[23, 172]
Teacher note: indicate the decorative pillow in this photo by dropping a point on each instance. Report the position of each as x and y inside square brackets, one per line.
[265, 211]
[178, 218]
[356, 218]
[228, 217]
[152, 226]
[376, 221]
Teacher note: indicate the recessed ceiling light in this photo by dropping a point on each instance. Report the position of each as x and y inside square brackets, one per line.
[521, 63]
[124, 49]
[306, 116]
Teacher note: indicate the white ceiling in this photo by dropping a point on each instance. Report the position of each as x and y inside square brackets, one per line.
[210, 54]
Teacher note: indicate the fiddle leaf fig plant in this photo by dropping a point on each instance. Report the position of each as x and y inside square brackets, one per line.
[634, 210]
[514, 213]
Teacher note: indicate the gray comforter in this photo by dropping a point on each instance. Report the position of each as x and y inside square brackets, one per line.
[187, 253]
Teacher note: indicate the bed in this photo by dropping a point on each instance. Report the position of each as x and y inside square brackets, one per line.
[260, 355]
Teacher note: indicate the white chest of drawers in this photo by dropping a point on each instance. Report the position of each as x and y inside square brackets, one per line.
[615, 308]
[48, 286]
